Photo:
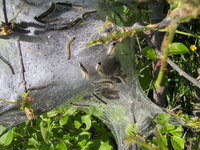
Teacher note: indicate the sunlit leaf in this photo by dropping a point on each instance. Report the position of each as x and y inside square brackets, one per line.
[178, 48]
[177, 142]
[87, 120]
[77, 123]
[177, 132]
[24, 95]
[63, 120]
[33, 141]
[105, 146]
[162, 118]
[83, 138]
[7, 138]
[149, 52]
[61, 146]
[161, 140]
[44, 132]
[70, 111]
[2, 128]
[52, 113]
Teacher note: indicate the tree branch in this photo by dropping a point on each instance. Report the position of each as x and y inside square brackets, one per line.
[181, 72]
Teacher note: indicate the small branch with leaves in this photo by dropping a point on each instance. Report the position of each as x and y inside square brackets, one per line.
[25, 105]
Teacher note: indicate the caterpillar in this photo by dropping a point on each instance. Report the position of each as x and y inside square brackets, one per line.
[98, 98]
[106, 83]
[48, 11]
[99, 69]
[69, 47]
[84, 71]
[75, 104]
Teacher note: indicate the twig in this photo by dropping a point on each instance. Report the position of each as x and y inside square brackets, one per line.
[181, 72]
[138, 42]
[6, 62]
[22, 66]
[5, 12]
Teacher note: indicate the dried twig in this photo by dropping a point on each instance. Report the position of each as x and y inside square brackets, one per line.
[181, 72]
[6, 62]
[22, 66]
[5, 12]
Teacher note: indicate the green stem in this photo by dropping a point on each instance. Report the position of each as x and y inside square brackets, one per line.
[118, 35]
[181, 32]
[8, 102]
[164, 55]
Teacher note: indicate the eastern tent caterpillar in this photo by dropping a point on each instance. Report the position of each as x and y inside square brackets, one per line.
[111, 48]
[38, 87]
[48, 11]
[98, 98]
[69, 47]
[106, 83]
[121, 79]
[84, 71]
[89, 12]
[66, 26]
[110, 94]
[44, 21]
[75, 104]
[69, 4]
[99, 69]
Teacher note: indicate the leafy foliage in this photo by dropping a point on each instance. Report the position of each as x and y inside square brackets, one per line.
[60, 129]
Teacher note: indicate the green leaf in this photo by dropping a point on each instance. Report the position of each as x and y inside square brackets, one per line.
[87, 120]
[61, 146]
[93, 144]
[49, 146]
[7, 138]
[177, 142]
[178, 48]
[52, 113]
[161, 140]
[168, 127]
[63, 120]
[105, 146]
[145, 77]
[33, 141]
[70, 111]
[149, 52]
[83, 22]
[44, 132]
[2, 128]
[177, 132]
[77, 123]
[83, 137]
[24, 95]
[162, 118]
